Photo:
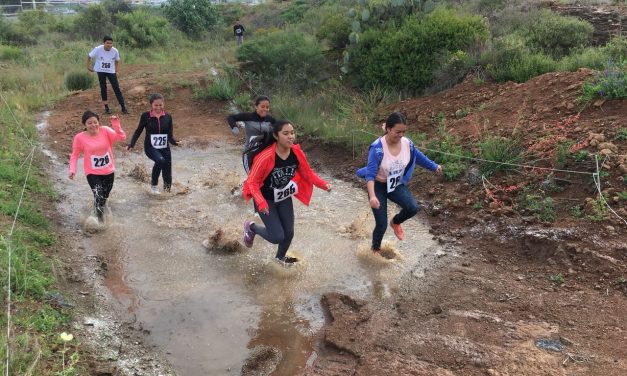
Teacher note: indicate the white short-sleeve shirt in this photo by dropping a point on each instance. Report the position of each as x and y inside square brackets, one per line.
[104, 61]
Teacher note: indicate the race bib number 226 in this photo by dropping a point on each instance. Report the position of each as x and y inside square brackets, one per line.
[100, 161]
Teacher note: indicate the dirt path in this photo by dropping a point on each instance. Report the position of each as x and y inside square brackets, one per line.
[483, 308]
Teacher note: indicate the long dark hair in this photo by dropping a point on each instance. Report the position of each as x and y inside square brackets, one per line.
[262, 141]
[393, 119]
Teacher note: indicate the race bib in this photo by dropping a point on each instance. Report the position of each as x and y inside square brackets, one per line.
[289, 190]
[159, 141]
[106, 66]
[100, 161]
[394, 180]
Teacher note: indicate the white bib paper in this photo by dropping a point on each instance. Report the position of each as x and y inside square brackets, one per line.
[394, 180]
[288, 191]
[159, 141]
[100, 161]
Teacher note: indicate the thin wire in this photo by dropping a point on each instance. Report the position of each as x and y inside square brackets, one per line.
[9, 256]
[490, 161]
[19, 125]
[597, 181]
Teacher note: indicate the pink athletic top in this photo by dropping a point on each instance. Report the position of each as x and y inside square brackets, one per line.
[97, 152]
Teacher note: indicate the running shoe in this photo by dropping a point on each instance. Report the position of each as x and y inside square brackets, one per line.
[125, 111]
[290, 260]
[154, 190]
[398, 230]
[284, 264]
[107, 110]
[167, 188]
[249, 234]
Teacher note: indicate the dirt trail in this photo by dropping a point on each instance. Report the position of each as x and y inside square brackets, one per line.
[481, 311]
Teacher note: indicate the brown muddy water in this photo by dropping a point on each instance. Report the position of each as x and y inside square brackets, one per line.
[207, 309]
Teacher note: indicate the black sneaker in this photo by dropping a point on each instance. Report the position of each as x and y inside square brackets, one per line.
[125, 111]
[290, 260]
[107, 110]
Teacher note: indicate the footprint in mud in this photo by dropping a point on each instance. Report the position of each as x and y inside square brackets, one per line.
[219, 241]
[387, 254]
[262, 361]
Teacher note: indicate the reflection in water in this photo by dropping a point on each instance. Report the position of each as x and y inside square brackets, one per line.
[208, 308]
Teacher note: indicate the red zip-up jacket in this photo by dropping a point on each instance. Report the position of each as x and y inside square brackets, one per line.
[263, 164]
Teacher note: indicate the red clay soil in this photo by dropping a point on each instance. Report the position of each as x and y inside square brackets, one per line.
[483, 311]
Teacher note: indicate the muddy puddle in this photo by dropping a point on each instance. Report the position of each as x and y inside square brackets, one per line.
[210, 309]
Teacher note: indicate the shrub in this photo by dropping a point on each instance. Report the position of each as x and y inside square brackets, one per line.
[36, 23]
[498, 151]
[295, 11]
[283, 57]
[116, 8]
[451, 69]
[329, 23]
[404, 57]
[541, 208]
[610, 84]
[93, 22]
[222, 88]
[447, 151]
[10, 53]
[193, 17]
[78, 80]
[556, 35]
[141, 29]
[512, 60]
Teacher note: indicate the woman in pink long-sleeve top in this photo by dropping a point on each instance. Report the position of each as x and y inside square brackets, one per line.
[95, 143]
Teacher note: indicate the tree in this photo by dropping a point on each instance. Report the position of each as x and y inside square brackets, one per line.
[193, 17]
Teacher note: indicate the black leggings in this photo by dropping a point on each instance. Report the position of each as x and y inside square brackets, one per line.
[101, 186]
[279, 225]
[113, 79]
[163, 163]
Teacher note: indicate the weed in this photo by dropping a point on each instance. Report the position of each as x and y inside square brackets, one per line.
[558, 278]
[462, 113]
[222, 88]
[599, 211]
[168, 92]
[581, 156]
[562, 153]
[621, 135]
[577, 211]
[622, 195]
[500, 153]
[541, 208]
[75, 81]
[609, 84]
[447, 151]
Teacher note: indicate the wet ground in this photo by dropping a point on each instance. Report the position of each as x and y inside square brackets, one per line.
[207, 309]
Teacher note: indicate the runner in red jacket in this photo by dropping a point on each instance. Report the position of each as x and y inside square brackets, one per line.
[279, 172]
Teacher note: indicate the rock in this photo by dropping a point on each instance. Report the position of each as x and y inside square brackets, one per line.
[598, 102]
[440, 253]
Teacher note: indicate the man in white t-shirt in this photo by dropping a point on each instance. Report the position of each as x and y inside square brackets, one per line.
[107, 64]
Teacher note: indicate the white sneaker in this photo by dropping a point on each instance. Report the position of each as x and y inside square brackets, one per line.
[154, 190]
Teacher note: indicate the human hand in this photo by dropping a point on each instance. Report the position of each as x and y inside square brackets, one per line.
[374, 203]
[235, 130]
[265, 211]
[439, 170]
[328, 187]
[71, 175]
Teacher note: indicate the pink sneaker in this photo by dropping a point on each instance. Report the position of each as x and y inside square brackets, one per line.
[249, 234]
[398, 230]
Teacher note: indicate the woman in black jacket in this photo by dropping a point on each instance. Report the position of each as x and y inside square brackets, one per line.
[255, 123]
[159, 128]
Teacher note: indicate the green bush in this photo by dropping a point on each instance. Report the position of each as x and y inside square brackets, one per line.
[447, 151]
[329, 23]
[497, 151]
[141, 29]
[93, 22]
[116, 8]
[36, 23]
[283, 57]
[78, 80]
[193, 17]
[609, 84]
[295, 11]
[10, 53]
[542, 208]
[404, 57]
[222, 88]
[511, 60]
[556, 35]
